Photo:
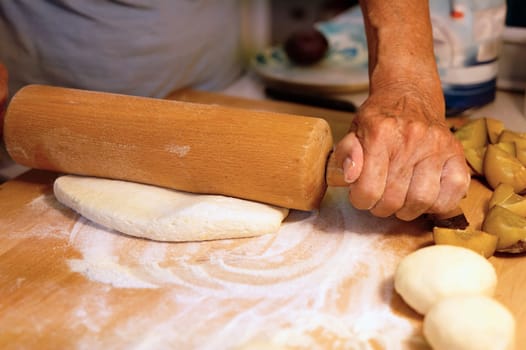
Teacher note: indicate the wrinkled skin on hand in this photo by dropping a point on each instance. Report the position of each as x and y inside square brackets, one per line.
[400, 157]
[3, 95]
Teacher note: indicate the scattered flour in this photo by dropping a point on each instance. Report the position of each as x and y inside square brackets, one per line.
[180, 151]
[322, 280]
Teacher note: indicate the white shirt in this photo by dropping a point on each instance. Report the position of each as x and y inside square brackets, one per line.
[146, 48]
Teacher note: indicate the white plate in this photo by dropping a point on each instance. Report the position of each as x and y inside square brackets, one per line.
[338, 72]
[343, 70]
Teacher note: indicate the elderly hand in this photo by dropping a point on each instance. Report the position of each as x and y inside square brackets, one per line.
[3, 94]
[400, 157]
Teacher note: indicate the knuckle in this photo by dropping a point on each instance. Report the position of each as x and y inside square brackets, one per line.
[382, 213]
[417, 203]
[422, 199]
[407, 215]
[457, 181]
[363, 198]
[387, 206]
[417, 129]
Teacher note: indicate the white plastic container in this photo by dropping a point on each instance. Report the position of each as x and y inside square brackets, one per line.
[467, 37]
[512, 67]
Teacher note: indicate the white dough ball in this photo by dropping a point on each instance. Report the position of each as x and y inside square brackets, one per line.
[430, 274]
[472, 322]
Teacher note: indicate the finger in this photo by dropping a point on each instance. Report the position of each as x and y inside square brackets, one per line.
[423, 189]
[396, 188]
[365, 192]
[349, 154]
[454, 184]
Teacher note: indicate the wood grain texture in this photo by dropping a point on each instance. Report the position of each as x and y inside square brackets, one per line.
[262, 156]
[324, 281]
[339, 121]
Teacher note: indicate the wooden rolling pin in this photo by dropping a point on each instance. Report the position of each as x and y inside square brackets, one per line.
[274, 158]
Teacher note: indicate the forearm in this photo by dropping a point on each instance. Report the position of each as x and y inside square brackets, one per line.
[400, 157]
[400, 43]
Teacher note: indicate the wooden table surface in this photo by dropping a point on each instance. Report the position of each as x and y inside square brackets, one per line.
[323, 281]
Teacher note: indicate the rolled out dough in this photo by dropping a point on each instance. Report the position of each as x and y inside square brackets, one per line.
[165, 215]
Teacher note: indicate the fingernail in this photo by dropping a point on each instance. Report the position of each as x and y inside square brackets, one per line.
[347, 164]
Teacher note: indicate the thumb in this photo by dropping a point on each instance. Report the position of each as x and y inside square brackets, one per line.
[349, 155]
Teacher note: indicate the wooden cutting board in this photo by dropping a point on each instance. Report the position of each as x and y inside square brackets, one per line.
[323, 281]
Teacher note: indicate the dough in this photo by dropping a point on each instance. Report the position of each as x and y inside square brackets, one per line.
[469, 323]
[430, 274]
[165, 215]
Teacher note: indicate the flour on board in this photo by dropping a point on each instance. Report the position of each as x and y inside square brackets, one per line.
[178, 150]
[324, 278]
